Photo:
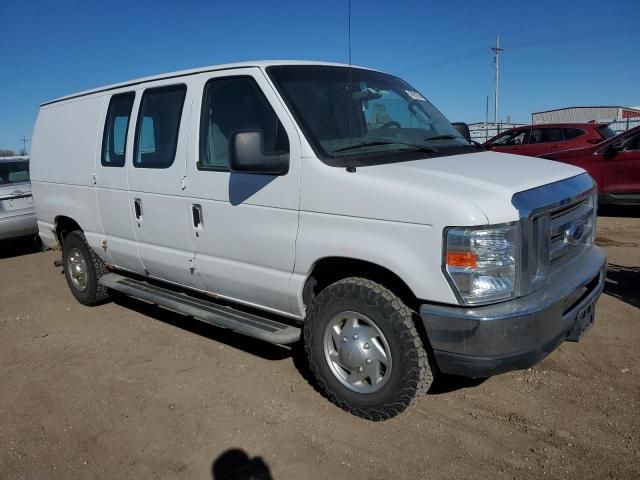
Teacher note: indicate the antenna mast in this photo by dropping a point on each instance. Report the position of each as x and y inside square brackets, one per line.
[350, 168]
[349, 34]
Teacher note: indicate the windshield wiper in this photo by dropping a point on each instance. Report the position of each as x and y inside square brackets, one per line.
[442, 137]
[355, 146]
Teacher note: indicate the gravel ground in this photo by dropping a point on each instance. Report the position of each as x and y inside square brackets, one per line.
[127, 390]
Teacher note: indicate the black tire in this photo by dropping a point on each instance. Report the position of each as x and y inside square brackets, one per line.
[411, 374]
[93, 293]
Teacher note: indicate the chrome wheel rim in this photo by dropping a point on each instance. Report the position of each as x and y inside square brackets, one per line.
[357, 352]
[77, 268]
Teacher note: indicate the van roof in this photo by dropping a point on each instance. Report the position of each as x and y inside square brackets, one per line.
[192, 71]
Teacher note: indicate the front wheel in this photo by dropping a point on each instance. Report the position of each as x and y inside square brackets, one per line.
[83, 269]
[364, 349]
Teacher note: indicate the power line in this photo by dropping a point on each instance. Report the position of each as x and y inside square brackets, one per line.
[585, 36]
[456, 58]
[522, 44]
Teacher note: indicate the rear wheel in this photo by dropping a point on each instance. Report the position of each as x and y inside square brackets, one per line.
[83, 269]
[364, 349]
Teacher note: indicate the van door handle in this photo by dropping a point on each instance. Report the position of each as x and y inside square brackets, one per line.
[196, 210]
[137, 205]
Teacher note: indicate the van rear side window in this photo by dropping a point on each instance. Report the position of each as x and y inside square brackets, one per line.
[158, 126]
[116, 125]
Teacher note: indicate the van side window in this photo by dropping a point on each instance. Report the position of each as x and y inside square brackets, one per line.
[229, 105]
[116, 125]
[158, 126]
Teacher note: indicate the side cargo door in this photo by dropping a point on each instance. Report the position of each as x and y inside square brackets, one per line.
[119, 245]
[157, 184]
[244, 225]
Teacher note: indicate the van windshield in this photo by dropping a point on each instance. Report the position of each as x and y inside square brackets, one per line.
[14, 172]
[364, 116]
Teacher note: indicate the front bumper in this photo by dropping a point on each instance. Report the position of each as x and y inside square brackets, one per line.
[18, 226]
[516, 334]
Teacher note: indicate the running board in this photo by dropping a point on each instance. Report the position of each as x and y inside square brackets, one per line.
[223, 316]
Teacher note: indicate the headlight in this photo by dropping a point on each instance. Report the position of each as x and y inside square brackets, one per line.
[481, 262]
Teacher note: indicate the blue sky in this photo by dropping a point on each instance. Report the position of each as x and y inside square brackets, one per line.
[49, 49]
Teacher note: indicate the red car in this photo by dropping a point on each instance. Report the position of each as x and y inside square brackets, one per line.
[614, 164]
[535, 140]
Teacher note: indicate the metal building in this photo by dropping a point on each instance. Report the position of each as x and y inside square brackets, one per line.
[585, 114]
[482, 131]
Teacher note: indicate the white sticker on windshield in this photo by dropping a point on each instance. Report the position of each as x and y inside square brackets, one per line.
[415, 95]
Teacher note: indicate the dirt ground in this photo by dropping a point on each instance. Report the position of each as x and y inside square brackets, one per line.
[131, 391]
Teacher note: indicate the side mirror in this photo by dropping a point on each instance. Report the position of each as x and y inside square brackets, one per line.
[463, 128]
[246, 155]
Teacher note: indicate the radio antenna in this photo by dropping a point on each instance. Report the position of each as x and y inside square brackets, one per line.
[349, 21]
[348, 166]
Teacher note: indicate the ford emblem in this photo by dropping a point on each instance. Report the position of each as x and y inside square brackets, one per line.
[574, 233]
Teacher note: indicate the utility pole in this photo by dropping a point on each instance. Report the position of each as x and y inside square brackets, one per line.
[496, 51]
[486, 119]
[24, 141]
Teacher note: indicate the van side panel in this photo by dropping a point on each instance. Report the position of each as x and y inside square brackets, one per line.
[62, 166]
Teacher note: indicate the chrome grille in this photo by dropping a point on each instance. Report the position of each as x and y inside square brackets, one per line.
[570, 229]
[557, 222]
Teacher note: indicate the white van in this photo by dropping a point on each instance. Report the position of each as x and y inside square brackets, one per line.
[289, 199]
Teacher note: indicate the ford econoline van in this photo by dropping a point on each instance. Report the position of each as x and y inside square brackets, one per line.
[324, 204]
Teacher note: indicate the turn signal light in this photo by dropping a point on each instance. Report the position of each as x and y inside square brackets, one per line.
[462, 259]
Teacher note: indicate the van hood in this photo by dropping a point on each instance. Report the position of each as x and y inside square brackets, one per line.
[469, 189]
[487, 180]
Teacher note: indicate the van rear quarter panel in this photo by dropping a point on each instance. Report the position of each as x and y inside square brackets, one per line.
[65, 144]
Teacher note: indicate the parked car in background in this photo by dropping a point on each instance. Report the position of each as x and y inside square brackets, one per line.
[535, 140]
[613, 164]
[17, 216]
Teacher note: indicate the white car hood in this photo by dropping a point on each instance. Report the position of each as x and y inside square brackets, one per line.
[499, 172]
[487, 179]
[468, 189]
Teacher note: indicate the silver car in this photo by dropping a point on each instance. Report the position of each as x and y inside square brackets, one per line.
[17, 216]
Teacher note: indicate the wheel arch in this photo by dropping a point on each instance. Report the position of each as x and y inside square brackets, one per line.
[63, 226]
[328, 270]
